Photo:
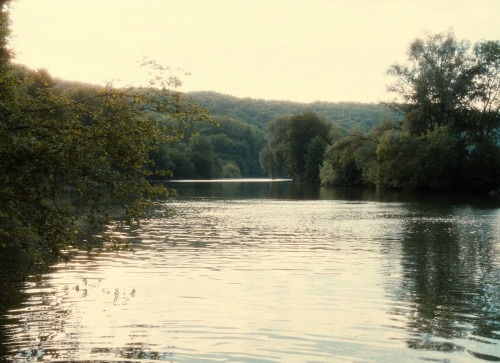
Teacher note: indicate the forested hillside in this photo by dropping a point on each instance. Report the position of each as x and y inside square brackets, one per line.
[232, 144]
[260, 112]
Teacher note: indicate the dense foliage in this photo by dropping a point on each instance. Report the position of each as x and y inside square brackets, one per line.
[449, 136]
[222, 148]
[260, 112]
[72, 156]
[277, 158]
[296, 147]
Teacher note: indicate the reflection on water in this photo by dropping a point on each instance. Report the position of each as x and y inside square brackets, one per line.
[273, 272]
[451, 267]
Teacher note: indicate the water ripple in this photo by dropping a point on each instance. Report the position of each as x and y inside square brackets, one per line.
[273, 281]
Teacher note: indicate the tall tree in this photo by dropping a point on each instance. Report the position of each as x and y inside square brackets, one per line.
[447, 85]
[306, 141]
[483, 102]
[433, 85]
[273, 156]
[448, 137]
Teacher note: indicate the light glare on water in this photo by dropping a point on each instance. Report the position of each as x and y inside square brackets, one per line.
[275, 280]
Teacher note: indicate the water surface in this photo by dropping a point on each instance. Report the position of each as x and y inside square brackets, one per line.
[272, 272]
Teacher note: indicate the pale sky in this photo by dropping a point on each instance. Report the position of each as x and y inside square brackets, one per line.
[298, 50]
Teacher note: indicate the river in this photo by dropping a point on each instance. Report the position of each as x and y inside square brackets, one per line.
[270, 272]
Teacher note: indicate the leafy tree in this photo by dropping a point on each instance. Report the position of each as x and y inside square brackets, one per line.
[314, 158]
[306, 140]
[231, 170]
[227, 142]
[351, 157]
[182, 165]
[341, 165]
[296, 147]
[482, 107]
[448, 136]
[206, 162]
[447, 85]
[433, 86]
[176, 158]
[416, 162]
[273, 156]
[267, 163]
[237, 141]
[68, 162]
[482, 167]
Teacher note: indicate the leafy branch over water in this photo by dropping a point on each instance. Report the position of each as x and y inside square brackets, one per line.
[70, 158]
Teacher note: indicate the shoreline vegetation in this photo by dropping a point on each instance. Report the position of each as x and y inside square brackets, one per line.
[106, 144]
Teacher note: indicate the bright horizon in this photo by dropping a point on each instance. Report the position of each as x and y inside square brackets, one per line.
[301, 51]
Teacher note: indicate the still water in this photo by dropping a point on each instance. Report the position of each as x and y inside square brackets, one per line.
[271, 272]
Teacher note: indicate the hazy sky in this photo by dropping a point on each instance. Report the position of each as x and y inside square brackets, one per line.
[307, 50]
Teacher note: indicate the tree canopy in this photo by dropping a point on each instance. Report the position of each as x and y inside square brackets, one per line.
[296, 146]
[71, 157]
[260, 113]
[449, 136]
[221, 148]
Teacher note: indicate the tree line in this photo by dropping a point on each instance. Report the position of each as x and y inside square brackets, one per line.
[229, 144]
[446, 135]
[259, 112]
[235, 143]
[221, 147]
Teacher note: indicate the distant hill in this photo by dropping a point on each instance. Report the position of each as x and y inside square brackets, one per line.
[260, 112]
